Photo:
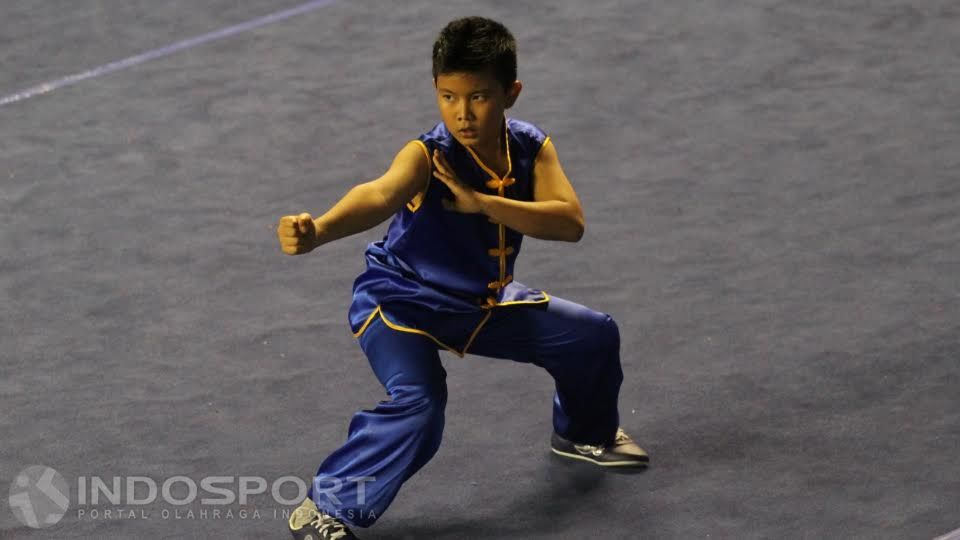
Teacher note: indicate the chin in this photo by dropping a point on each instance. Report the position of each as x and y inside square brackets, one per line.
[479, 140]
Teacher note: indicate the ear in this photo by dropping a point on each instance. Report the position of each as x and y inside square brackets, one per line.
[513, 93]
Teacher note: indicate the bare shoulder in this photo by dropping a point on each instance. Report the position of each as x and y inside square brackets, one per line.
[412, 158]
[407, 175]
[547, 152]
[550, 182]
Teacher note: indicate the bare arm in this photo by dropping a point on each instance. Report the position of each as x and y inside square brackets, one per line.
[546, 220]
[365, 206]
[554, 213]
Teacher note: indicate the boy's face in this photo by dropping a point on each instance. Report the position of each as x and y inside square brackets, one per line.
[472, 104]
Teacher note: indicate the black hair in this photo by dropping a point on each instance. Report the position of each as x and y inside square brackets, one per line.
[473, 44]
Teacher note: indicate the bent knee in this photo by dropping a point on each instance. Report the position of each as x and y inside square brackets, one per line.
[611, 332]
[605, 334]
[425, 401]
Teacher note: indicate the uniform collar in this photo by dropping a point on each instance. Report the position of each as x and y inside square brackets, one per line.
[488, 170]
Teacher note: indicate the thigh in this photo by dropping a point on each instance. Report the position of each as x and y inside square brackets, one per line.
[402, 358]
[532, 333]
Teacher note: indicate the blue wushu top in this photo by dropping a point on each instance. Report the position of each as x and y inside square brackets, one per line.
[439, 272]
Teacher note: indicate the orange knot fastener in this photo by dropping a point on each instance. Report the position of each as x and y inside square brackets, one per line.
[500, 284]
[495, 252]
[497, 183]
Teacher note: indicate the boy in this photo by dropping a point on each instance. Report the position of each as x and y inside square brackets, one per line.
[463, 195]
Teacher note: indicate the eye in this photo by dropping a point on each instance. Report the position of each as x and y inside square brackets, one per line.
[479, 97]
[446, 97]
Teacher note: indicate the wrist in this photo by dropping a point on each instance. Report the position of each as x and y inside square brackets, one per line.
[321, 232]
[483, 203]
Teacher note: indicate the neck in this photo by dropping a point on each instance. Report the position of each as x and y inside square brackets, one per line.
[492, 151]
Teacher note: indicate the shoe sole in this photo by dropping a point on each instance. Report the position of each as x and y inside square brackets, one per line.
[638, 464]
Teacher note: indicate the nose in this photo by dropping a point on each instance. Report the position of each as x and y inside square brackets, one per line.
[464, 112]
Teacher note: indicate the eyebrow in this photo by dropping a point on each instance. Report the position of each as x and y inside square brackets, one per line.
[480, 91]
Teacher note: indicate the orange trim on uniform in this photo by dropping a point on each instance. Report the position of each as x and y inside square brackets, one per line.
[545, 141]
[475, 332]
[500, 284]
[503, 257]
[408, 330]
[367, 322]
[499, 184]
[546, 298]
[488, 170]
[417, 200]
[495, 252]
[492, 302]
[394, 326]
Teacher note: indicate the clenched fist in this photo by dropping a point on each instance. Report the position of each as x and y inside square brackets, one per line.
[297, 234]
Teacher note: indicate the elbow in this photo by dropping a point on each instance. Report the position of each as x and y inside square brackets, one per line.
[578, 231]
[579, 234]
[579, 223]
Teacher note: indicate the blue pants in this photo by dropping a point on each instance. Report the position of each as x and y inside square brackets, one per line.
[579, 347]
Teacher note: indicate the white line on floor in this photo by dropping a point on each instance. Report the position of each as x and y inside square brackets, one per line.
[952, 535]
[162, 51]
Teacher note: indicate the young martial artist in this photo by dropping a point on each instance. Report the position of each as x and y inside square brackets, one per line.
[462, 196]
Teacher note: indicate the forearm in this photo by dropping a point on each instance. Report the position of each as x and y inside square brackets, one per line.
[546, 220]
[362, 208]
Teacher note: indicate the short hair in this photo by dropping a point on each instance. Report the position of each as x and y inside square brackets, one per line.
[473, 44]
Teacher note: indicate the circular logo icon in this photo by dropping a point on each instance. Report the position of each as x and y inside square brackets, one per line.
[39, 496]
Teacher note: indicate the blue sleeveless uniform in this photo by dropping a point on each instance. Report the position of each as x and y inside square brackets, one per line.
[440, 272]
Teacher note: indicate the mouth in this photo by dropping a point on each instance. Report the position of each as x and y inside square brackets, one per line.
[469, 133]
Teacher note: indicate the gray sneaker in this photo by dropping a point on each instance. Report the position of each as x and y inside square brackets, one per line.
[622, 453]
[308, 523]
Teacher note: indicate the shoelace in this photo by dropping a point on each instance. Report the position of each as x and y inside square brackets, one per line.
[329, 526]
[621, 436]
